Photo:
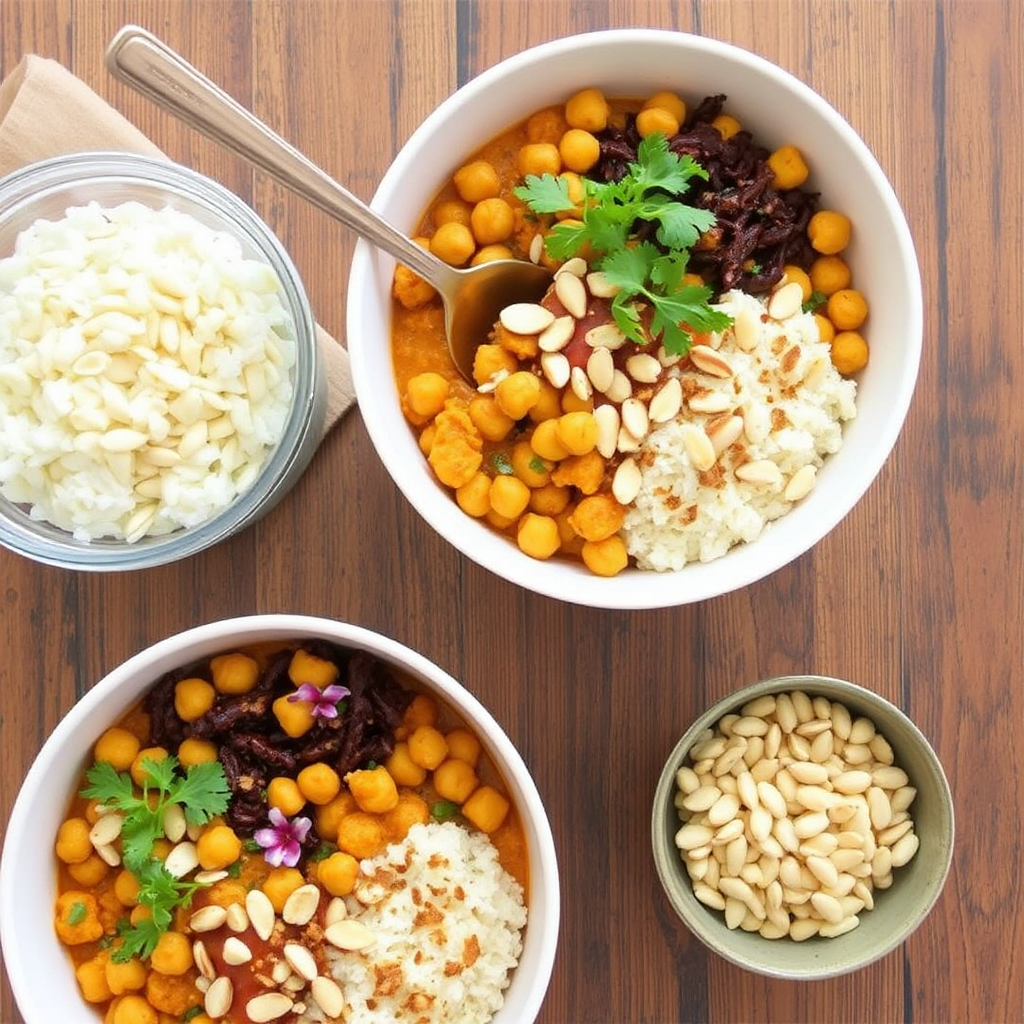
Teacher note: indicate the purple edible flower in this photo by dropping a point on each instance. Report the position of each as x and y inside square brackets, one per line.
[325, 702]
[282, 842]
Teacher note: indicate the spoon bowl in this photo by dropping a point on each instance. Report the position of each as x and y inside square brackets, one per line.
[472, 297]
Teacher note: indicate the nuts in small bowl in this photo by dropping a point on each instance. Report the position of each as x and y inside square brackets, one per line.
[160, 383]
[802, 827]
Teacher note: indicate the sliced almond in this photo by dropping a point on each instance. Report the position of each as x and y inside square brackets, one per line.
[175, 823]
[204, 964]
[608, 422]
[209, 877]
[666, 359]
[556, 368]
[182, 859]
[572, 294]
[207, 918]
[293, 983]
[601, 368]
[626, 482]
[626, 442]
[577, 266]
[301, 961]
[328, 996]
[643, 368]
[557, 335]
[580, 383]
[349, 934]
[268, 1006]
[217, 1001]
[605, 336]
[724, 431]
[106, 830]
[635, 418]
[109, 854]
[235, 951]
[621, 388]
[336, 911]
[600, 286]
[707, 360]
[667, 402]
[710, 402]
[261, 913]
[301, 905]
[746, 329]
[536, 248]
[237, 919]
[760, 471]
[203, 984]
[784, 302]
[699, 448]
[281, 972]
[527, 317]
[801, 483]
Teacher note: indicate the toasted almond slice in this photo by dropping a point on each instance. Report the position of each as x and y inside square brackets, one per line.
[643, 368]
[203, 984]
[109, 854]
[237, 919]
[699, 448]
[707, 360]
[626, 442]
[580, 383]
[605, 336]
[608, 423]
[710, 402]
[557, 335]
[174, 822]
[301, 961]
[201, 956]
[209, 877]
[261, 913]
[626, 482]
[301, 905]
[635, 418]
[269, 1006]
[536, 248]
[601, 368]
[293, 983]
[746, 329]
[219, 995]
[724, 431]
[526, 317]
[281, 972]
[621, 388]
[667, 402]
[349, 934]
[182, 859]
[801, 483]
[207, 918]
[784, 302]
[577, 266]
[760, 471]
[556, 368]
[572, 294]
[106, 830]
[235, 951]
[328, 996]
[667, 360]
[600, 286]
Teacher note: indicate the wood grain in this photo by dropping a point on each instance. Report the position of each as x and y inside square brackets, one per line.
[918, 593]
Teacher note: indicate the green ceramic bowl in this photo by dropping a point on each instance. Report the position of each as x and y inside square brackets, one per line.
[897, 910]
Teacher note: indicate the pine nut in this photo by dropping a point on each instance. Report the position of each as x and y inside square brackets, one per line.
[801, 483]
[707, 360]
[634, 417]
[572, 294]
[601, 368]
[710, 402]
[666, 402]
[527, 317]
[235, 951]
[556, 368]
[605, 336]
[269, 1006]
[626, 483]
[621, 388]
[643, 367]
[600, 286]
[786, 301]
[219, 995]
[557, 334]
[577, 266]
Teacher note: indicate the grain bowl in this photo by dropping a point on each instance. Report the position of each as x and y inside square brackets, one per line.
[160, 383]
[455, 906]
[438, 465]
[823, 844]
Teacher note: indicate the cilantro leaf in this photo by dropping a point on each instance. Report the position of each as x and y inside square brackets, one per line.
[203, 792]
[545, 193]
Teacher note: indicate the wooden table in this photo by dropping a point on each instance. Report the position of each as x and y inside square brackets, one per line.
[917, 594]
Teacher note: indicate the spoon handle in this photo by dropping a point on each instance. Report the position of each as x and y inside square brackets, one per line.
[152, 68]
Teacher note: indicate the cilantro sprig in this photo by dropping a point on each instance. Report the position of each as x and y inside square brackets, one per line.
[646, 274]
[201, 791]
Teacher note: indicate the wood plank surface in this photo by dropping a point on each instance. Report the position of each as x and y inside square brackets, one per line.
[918, 593]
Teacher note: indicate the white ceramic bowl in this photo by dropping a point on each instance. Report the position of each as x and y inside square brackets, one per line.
[778, 109]
[39, 968]
[46, 190]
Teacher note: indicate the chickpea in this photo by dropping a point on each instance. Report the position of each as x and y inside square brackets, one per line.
[90, 872]
[422, 710]
[584, 472]
[656, 119]
[490, 360]
[549, 500]
[410, 810]
[426, 393]
[537, 536]
[474, 498]
[579, 150]
[73, 843]
[476, 181]
[308, 668]
[193, 698]
[548, 406]
[338, 873]
[509, 496]
[571, 402]
[798, 274]
[117, 747]
[427, 747]
[545, 442]
[492, 221]
[488, 418]
[455, 780]
[577, 431]
[668, 101]
[72, 927]
[726, 125]
[319, 783]
[588, 109]
[92, 980]
[598, 517]
[829, 232]
[547, 125]
[463, 745]
[402, 768]
[849, 352]
[517, 393]
[234, 674]
[788, 167]
[486, 808]
[294, 716]
[410, 289]
[606, 557]
[830, 274]
[451, 211]
[498, 521]
[280, 883]
[491, 253]
[453, 244]
[284, 794]
[571, 541]
[195, 751]
[539, 158]
[218, 847]
[138, 771]
[826, 329]
[360, 834]
[373, 789]
[528, 466]
[847, 309]
[129, 976]
[126, 888]
[426, 439]
[172, 954]
[133, 1009]
[328, 816]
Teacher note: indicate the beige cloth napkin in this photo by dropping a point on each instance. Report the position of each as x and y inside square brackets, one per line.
[45, 111]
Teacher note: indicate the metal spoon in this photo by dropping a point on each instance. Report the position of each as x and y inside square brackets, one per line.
[472, 298]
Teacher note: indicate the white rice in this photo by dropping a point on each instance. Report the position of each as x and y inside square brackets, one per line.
[448, 921]
[792, 418]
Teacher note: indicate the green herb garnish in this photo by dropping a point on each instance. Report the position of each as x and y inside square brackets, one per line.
[502, 464]
[537, 465]
[814, 302]
[645, 273]
[77, 913]
[191, 1013]
[322, 852]
[443, 810]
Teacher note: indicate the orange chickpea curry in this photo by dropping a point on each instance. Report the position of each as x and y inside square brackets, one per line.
[550, 445]
[213, 865]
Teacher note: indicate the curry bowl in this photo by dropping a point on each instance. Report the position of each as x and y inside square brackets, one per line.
[161, 386]
[304, 850]
[644, 67]
[833, 843]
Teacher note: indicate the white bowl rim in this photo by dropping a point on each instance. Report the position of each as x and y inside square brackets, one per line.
[632, 589]
[22, 971]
